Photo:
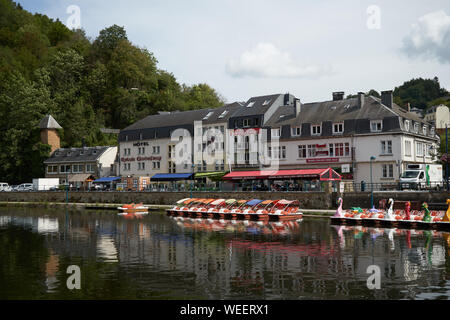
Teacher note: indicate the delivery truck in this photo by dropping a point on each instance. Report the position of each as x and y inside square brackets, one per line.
[45, 184]
[422, 176]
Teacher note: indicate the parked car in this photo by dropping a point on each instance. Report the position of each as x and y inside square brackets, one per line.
[25, 187]
[4, 186]
[14, 187]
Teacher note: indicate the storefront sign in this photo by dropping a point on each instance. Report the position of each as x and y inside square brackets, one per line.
[322, 152]
[319, 146]
[345, 168]
[140, 159]
[320, 160]
[140, 144]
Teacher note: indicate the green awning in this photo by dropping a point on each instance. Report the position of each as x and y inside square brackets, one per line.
[211, 175]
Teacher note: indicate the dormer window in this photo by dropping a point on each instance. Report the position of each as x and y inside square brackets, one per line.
[250, 104]
[266, 102]
[407, 125]
[81, 152]
[140, 136]
[246, 123]
[424, 130]
[94, 152]
[338, 128]
[416, 127]
[432, 131]
[69, 153]
[276, 132]
[376, 126]
[316, 129]
[296, 131]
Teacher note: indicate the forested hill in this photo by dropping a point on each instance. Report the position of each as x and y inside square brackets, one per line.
[45, 68]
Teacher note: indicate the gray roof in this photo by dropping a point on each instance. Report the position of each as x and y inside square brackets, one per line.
[345, 110]
[340, 110]
[259, 105]
[169, 119]
[86, 154]
[48, 122]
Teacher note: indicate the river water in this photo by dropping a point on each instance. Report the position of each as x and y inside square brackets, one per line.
[161, 257]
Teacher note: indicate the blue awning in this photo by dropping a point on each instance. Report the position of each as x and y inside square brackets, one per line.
[171, 176]
[107, 179]
[253, 202]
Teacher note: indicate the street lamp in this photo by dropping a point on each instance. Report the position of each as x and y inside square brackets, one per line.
[67, 185]
[371, 182]
[192, 177]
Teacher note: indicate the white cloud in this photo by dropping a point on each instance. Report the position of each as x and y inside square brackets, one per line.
[266, 61]
[430, 37]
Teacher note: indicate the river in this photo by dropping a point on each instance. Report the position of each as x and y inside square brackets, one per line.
[161, 257]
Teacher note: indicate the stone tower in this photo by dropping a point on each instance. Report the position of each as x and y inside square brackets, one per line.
[49, 132]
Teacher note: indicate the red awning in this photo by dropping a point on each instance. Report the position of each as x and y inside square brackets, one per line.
[238, 175]
[322, 174]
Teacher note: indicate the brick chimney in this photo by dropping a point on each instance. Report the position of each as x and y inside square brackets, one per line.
[49, 132]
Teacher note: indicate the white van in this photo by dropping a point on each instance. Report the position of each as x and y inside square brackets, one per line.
[4, 186]
[415, 177]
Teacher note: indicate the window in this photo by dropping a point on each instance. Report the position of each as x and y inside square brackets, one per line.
[311, 150]
[64, 168]
[376, 126]
[416, 127]
[419, 149]
[223, 114]
[432, 131]
[156, 149]
[296, 131]
[424, 130]
[428, 150]
[140, 136]
[388, 170]
[204, 165]
[156, 165]
[407, 125]
[208, 115]
[276, 132]
[386, 147]
[347, 149]
[246, 122]
[52, 169]
[126, 151]
[407, 148]
[316, 130]
[141, 165]
[141, 150]
[338, 128]
[302, 151]
[256, 122]
[90, 167]
[266, 102]
[172, 167]
[250, 104]
[77, 168]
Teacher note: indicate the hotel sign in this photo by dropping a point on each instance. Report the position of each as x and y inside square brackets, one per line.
[140, 144]
[140, 159]
[320, 160]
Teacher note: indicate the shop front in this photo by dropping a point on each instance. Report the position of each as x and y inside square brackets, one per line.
[282, 180]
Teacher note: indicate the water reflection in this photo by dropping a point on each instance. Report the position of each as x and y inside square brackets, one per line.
[158, 257]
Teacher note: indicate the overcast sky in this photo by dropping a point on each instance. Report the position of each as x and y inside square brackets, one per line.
[307, 48]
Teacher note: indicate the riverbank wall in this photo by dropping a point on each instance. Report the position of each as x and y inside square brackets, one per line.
[308, 200]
